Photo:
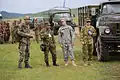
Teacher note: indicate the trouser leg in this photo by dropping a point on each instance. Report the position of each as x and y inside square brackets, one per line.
[90, 51]
[85, 52]
[71, 53]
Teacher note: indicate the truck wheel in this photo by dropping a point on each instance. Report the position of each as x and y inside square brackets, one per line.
[102, 51]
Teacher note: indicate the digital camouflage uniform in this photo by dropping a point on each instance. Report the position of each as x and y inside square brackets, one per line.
[36, 30]
[47, 38]
[24, 45]
[87, 42]
[66, 37]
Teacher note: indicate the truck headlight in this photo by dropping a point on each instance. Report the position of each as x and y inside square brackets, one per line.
[107, 30]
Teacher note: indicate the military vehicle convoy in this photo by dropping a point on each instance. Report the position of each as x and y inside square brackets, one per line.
[106, 19]
[57, 13]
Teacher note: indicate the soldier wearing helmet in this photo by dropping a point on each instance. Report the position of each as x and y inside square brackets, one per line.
[87, 34]
[24, 43]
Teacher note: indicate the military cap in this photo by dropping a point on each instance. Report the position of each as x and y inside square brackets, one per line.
[88, 20]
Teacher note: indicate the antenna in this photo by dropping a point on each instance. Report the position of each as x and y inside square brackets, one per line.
[64, 3]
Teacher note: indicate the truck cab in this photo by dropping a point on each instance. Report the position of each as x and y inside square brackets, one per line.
[56, 14]
[108, 30]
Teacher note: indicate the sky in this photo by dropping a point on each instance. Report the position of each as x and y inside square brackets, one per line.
[33, 6]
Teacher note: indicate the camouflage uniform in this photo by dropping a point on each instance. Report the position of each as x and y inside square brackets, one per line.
[12, 32]
[1, 34]
[24, 45]
[66, 37]
[87, 42]
[36, 30]
[7, 32]
[47, 38]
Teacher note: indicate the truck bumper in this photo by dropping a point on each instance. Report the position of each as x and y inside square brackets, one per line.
[111, 39]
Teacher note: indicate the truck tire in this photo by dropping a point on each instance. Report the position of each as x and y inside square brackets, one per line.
[102, 51]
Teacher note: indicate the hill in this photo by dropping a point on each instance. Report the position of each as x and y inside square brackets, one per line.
[10, 15]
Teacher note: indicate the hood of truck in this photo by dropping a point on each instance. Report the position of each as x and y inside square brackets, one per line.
[110, 18]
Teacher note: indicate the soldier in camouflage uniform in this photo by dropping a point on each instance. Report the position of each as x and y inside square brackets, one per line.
[12, 31]
[66, 37]
[24, 43]
[36, 30]
[47, 39]
[7, 30]
[1, 33]
[87, 34]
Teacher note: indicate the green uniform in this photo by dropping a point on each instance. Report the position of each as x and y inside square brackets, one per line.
[87, 42]
[24, 44]
[48, 40]
[36, 30]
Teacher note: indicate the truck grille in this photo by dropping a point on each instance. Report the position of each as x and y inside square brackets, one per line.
[115, 29]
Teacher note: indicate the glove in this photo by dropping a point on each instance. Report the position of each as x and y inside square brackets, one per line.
[90, 32]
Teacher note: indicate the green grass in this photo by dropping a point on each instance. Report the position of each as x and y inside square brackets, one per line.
[9, 57]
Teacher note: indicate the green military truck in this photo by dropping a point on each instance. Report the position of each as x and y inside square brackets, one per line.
[57, 13]
[107, 24]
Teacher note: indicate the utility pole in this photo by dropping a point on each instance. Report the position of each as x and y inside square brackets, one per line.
[64, 3]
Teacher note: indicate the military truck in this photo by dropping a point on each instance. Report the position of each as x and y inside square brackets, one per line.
[108, 27]
[107, 24]
[57, 13]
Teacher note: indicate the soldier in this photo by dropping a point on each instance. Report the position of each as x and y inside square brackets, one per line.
[41, 24]
[36, 30]
[12, 31]
[1, 34]
[66, 37]
[24, 43]
[7, 32]
[87, 34]
[19, 23]
[47, 39]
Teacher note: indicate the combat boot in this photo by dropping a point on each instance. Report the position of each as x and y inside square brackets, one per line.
[54, 63]
[20, 65]
[27, 65]
[47, 64]
[73, 63]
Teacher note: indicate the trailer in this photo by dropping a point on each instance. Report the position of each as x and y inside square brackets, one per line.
[87, 12]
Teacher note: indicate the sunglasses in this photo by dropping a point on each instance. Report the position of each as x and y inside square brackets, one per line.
[88, 21]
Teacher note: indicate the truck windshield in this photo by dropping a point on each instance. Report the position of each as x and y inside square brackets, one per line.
[62, 15]
[111, 9]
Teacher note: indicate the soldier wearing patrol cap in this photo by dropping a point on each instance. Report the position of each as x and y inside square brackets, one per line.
[24, 43]
[66, 37]
[87, 34]
[48, 43]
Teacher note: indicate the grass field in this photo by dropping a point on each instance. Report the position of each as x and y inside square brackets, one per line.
[98, 71]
